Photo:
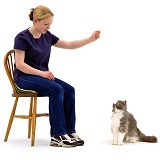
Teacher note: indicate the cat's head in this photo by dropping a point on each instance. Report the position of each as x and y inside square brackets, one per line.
[119, 106]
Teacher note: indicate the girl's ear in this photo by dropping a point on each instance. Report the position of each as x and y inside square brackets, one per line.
[34, 20]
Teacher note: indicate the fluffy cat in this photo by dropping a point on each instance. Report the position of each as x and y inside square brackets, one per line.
[124, 126]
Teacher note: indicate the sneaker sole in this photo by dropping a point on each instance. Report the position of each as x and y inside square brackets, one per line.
[54, 144]
[80, 143]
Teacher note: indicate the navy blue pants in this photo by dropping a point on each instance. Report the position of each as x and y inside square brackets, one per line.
[61, 102]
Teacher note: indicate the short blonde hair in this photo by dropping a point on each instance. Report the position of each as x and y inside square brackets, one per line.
[40, 12]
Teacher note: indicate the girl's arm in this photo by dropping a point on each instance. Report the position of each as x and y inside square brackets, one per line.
[78, 43]
[22, 66]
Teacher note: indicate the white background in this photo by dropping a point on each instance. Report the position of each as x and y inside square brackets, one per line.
[122, 64]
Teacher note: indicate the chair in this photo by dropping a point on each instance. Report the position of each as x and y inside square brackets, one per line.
[17, 93]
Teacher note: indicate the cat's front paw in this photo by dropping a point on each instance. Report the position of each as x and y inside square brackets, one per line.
[114, 142]
[120, 143]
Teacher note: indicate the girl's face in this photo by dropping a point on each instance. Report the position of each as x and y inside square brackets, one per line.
[43, 25]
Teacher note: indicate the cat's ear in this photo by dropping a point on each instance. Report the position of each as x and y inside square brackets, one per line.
[113, 107]
[125, 104]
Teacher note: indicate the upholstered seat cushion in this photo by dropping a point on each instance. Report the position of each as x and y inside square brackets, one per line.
[20, 90]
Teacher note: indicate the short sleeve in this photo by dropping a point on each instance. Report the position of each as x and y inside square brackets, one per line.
[20, 42]
[54, 38]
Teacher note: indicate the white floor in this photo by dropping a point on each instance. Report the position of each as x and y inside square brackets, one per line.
[94, 130]
[18, 147]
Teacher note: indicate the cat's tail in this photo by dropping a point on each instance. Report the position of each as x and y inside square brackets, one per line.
[143, 138]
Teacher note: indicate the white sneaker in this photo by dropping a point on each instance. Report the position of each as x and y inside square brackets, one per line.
[63, 141]
[75, 137]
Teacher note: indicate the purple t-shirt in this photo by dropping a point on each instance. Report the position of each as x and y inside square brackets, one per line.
[37, 51]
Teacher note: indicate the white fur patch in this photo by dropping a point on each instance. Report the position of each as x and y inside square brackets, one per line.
[115, 123]
[115, 119]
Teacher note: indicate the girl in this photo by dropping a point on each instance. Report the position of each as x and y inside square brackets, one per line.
[32, 52]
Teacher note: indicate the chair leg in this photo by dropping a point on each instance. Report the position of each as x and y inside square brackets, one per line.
[33, 125]
[11, 119]
[30, 114]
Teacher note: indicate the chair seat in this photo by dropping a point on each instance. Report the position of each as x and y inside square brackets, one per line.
[20, 90]
[25, 93]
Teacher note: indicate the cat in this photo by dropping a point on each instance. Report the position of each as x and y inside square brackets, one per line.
[124, 126]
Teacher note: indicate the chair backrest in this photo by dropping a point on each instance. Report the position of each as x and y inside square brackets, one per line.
[9, 61]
